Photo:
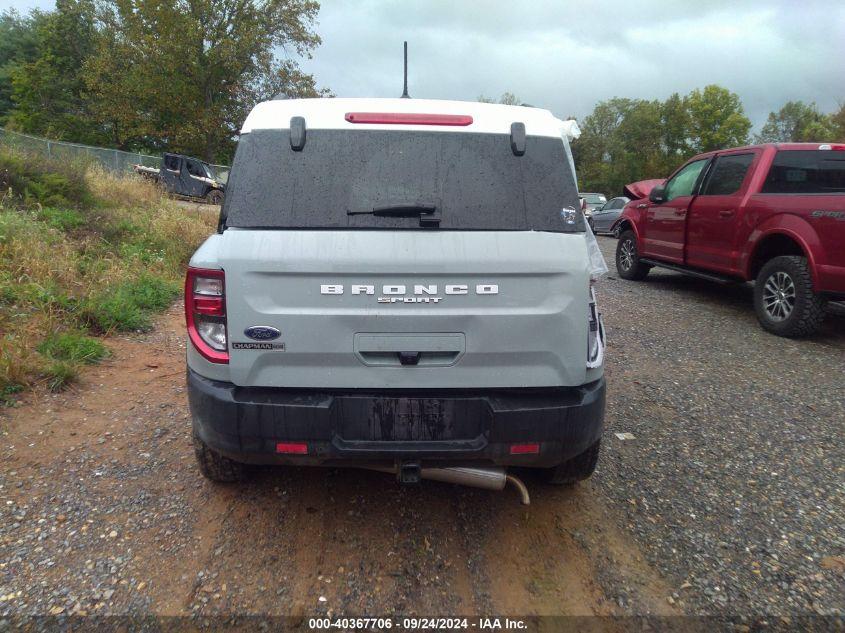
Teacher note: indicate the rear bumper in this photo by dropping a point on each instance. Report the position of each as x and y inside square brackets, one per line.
[349, 427]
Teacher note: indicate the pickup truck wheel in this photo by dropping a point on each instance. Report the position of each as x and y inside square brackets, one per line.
[215, 196]
[784, 299]
[215, 466]
[627, 260]
[592, 226]
[576, 469]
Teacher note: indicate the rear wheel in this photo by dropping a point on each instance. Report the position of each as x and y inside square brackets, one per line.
[627, 258]
[215, 196]
[215, 466]
[576, 469]
[617, 232]
[784, 299]
[592, 226]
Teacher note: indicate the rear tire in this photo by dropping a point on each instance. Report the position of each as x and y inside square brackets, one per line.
[627, 258]
[576, 469]
[617, 232]
[592, 226]
[784, 299]
[215, 196]
[215, 466]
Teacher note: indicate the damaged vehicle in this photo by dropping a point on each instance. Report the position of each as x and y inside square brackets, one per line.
[772, 214]
[187, 177]
[402, 285]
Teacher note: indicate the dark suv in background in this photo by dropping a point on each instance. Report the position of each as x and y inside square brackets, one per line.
[188, 177]
[191, 177]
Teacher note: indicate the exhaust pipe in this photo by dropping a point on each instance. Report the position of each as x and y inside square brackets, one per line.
[488, 478]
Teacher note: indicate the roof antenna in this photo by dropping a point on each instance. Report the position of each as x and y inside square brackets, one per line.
[405, 94]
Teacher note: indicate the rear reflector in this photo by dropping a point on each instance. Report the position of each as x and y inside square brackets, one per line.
[406, 118]
[209, 305]
[292, 448]
[525, 449]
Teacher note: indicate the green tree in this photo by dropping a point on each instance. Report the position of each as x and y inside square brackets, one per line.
[18, 45]
[716, 119]
[675, 120]
[620, 141]
[183, 74]
[838, 120]
[797, 122]
[48, 91]
[625, 140]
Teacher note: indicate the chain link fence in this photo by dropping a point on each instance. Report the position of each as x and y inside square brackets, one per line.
[112, 159]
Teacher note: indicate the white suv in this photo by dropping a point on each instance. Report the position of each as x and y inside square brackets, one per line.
[398, 284]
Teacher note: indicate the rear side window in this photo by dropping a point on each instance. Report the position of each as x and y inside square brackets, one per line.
[171, 163]
[806, 171]
[474, 180]
[195, 169]
[728, 174]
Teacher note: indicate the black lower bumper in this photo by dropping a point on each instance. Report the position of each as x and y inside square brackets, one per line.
[346, 427]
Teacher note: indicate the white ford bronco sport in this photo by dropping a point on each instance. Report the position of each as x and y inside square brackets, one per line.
[398, 284]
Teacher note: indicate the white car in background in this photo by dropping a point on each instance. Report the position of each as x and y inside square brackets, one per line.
[591, 202]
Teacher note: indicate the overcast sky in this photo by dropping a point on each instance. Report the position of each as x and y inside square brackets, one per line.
[567, 56]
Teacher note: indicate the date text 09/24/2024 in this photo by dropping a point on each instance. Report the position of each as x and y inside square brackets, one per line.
[417, 623]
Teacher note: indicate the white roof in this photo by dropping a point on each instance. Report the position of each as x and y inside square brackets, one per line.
[330, 113]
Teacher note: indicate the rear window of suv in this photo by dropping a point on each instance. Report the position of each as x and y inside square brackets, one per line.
[806, 171]
[474, 180]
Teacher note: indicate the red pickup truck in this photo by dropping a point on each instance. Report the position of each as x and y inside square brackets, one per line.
[770, 213]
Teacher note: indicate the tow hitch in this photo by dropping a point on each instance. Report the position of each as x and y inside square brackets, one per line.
[409, 473]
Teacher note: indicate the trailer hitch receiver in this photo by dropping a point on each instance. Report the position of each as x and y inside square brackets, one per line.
[409, 473]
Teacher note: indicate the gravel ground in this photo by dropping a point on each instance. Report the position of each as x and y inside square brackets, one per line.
[727, 499]
[735, 478]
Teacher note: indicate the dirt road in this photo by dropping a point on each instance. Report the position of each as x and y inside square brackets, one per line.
[102, 510]
[106, 513]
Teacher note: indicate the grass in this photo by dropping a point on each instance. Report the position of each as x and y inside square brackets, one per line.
[129, 304]
[83, 253]
[73, 347]
[61, 219]
[34, 180]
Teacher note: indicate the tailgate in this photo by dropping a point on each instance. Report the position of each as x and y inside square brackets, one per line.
[361, 309]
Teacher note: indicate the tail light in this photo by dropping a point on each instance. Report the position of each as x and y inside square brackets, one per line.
[205, 313]
[595, 338]
[408, 118]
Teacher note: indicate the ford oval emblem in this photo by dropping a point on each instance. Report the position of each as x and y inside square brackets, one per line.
[262, 333]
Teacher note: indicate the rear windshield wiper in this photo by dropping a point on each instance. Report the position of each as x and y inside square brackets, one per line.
[405, 210]
[427, 213]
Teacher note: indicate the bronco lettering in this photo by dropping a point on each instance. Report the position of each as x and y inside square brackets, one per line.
[399, 290]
